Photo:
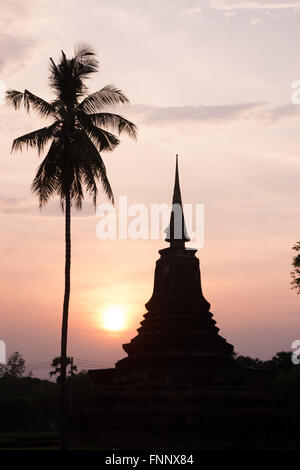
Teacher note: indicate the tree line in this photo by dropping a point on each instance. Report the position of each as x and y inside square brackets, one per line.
[28, 403]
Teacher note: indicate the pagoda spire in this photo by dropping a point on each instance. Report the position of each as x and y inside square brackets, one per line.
[178, 330]
[176, 231]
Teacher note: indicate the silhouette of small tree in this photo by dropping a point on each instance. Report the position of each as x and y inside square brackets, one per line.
[56, 365]
[296, 273]
[15, 366]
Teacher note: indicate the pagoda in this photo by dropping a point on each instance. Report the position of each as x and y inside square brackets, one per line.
[178, 331]
[179, 386]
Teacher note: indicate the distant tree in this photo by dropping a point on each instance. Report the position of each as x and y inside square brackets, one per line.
[28, 404]
[248, 362]
[296, 273]
[281, 362]
[15, 366]
[286, 383]
[45, 404]
[82, 388]
[56, 365]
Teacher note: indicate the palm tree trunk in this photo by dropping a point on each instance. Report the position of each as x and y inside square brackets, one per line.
[64, 328]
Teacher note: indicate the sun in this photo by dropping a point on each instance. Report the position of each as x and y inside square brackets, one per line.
[113, 317]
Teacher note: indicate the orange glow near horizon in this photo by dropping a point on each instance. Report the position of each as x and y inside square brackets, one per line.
[113, 318]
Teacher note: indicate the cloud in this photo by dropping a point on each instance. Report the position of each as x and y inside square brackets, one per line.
[192, 113]
[10, 206]
[14, 52]
[16, 27]
[230, 7]
[284, 111]
[14, 206]
[204, 114]
[252, 5]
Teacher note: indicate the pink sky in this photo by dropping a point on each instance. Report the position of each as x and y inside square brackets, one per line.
[208, 80]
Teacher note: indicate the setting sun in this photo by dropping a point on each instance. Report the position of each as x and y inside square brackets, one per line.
[113, 318]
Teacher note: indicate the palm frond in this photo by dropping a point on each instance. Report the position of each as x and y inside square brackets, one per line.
[38, 138]
[98, 168]
[82, 50]
[93, 169]
[14, 98]
[67, 77]
[76, 190]
[76, 187]
[47, 179]
[61, 79]
[38, 104]
[29, 101]
[86, 61]
[115, 122]
[103, 139]
[107, 96]
[54, 77]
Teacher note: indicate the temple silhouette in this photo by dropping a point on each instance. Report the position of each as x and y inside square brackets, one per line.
[178, 332]
[179, 386]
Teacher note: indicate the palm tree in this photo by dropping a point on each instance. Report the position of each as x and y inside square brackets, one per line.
[76, 136]
[56, 365]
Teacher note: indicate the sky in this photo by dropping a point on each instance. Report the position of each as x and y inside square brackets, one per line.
[211, 81]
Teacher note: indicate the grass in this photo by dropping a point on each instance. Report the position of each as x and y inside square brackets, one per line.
[45, 440]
